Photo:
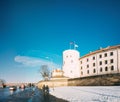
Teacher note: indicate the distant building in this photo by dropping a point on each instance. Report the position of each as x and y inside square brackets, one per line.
[102, 61]
[57, 73]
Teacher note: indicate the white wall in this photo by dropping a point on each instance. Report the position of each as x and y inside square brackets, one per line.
[72, 66]
[71, 63]
[97, 66]
[108, 58]
[119, 59]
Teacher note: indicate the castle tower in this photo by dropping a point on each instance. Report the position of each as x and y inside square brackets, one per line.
[71, 63]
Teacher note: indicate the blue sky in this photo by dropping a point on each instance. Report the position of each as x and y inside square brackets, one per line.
[31, 30]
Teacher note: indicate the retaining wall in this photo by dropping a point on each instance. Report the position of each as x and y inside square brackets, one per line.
[101, 80]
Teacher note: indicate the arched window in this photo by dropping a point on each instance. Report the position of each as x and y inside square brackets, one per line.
[101, 69]
[106, 62]
[87, 65]
[93, 64]
[94, 58]
[105, 54]
[71, 61]
[111, 61]
[87, 59]
[112, 67]
[81, 73]
[87, 71]
[80, 62]
[100, 63]
[106, 68]
[100, 56]
[111, 53]
[94, 71]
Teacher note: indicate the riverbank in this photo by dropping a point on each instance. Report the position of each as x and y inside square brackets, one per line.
[88, 93]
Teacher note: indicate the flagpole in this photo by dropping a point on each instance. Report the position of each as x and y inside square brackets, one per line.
[74, 45]
[70, 45]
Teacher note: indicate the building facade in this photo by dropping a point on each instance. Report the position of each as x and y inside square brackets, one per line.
[57, 73]
[102, 61]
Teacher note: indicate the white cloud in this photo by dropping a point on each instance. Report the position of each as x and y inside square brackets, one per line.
[34, 62]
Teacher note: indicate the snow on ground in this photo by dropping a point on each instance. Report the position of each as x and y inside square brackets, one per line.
[88, 93]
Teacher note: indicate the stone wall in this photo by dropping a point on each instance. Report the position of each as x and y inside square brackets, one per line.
[53, 83]
[101, 80]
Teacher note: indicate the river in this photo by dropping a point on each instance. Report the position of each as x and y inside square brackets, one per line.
[5, 92]
[19, 95]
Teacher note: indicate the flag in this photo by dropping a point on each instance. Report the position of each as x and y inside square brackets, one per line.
[76, 45]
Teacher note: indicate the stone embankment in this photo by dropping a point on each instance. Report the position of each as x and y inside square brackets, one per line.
[99, 80]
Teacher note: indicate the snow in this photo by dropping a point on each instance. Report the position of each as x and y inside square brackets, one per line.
[88, 93]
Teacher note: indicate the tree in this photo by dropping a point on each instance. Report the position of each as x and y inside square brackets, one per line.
[2, 83]
[45, 72]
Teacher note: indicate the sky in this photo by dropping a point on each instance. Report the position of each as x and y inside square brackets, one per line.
[36, 32]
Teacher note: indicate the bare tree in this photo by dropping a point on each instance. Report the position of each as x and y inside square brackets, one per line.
[45, 72]
[2, 83]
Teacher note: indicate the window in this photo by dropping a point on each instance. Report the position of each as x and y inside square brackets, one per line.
[87, 71]
[88, 66]
[100, 63]
[94, 71]
[81, 73]
[100, 56]
[81, 62]
[66, 56]
[106, 68]
[101, 69]
[87, 59]
[111, 53]
[71, 71]
[71, 61]
[111, 61]
[81, 67]
[93, 64]
[105, 55]
[94, 58]
[112, 67]
[106, 61]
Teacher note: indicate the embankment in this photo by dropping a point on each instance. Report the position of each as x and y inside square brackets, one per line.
[99, 80]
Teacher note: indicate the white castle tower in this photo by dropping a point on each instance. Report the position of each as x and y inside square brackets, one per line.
[71, 63]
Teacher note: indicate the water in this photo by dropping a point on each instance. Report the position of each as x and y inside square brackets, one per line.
[31, 94]
[5, 92]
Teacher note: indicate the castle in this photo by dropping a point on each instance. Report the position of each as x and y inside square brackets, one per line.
[101, 67]
[100, 62]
